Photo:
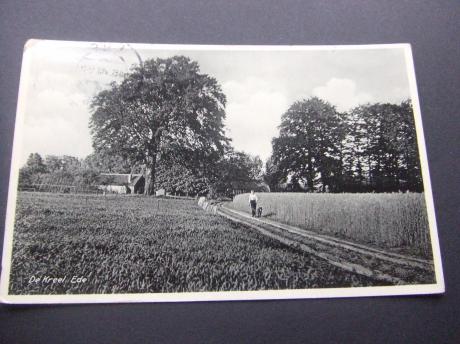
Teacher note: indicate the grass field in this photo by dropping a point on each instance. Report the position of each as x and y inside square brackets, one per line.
[130, 244]
[396, 221]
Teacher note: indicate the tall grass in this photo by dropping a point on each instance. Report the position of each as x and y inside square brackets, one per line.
[385, 220]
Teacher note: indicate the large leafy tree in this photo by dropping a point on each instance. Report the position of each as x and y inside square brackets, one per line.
[273, 176]
[308, 148]
[410, 169]
[355, 165]
[102, 162]
[185, 177]
[389, 146]
[160, 104]
[176, 178]
[31, 172]
[35, 163]
[240, 166]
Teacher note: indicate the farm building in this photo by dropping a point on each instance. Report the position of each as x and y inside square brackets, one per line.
[239, 187]
[121, 183]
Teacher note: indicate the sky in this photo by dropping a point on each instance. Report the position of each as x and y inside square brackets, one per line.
[60, 79]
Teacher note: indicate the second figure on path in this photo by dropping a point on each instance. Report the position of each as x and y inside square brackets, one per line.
[253, 202]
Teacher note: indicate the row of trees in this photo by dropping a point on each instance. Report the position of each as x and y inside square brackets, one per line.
[371, 148]
[56, 171]
[61, 172]
[165, 119]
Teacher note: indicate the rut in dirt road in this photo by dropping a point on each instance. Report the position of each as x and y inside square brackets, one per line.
[381, 265]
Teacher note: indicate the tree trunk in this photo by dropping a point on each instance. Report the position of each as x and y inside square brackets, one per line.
[150, 172]
[310, 174]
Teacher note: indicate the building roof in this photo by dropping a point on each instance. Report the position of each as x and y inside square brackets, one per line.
[135, 178]
[118, 179]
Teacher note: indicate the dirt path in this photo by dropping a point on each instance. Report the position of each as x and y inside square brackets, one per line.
[367, 261]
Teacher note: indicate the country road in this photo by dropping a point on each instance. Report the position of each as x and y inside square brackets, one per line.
[375, 263]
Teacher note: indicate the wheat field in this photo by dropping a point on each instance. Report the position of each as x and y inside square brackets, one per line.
[396, 220]
[136, 244]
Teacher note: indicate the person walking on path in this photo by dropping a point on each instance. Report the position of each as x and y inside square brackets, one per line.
[253, 202]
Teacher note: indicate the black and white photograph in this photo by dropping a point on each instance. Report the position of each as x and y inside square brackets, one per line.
[146, 173]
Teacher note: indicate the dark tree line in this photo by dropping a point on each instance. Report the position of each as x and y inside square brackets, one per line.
[173, 175]
[178, 177]
[57, 171]
[371, 148]
[66, 170]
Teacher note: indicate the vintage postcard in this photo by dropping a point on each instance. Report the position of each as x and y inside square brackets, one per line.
[148, 173]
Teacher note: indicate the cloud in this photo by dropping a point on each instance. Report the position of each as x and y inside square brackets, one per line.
[254, 109]
[56, 122]
[342, 93]
[56, 136]
[56, 104]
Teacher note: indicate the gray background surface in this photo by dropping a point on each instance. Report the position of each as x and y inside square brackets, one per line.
[432, 27]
